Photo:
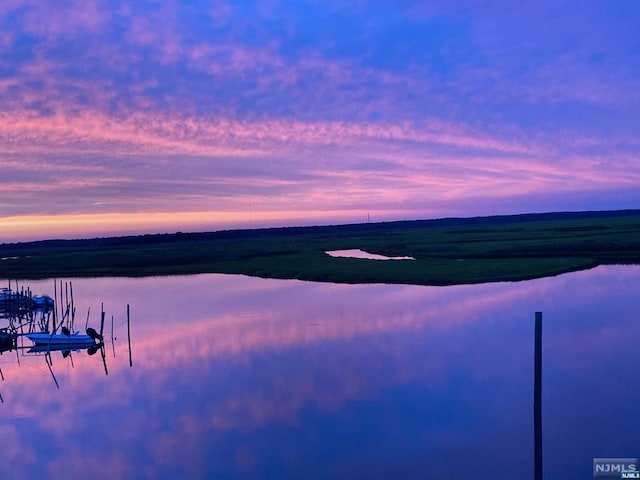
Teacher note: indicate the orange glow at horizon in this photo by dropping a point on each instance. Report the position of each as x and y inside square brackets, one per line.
[42, 227]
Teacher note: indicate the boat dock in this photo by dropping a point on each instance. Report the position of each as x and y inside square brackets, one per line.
[22, 312]
[39, 325]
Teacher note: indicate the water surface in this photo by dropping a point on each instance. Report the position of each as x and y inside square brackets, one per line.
[238, 377]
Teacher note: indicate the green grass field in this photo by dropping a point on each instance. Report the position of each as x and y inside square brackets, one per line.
[447, 251]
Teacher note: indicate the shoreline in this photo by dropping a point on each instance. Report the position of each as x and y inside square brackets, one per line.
[446, 251]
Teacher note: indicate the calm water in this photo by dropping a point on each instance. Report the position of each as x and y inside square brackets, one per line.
[236, 377]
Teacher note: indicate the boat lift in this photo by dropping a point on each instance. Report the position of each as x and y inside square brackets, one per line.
[49, 328]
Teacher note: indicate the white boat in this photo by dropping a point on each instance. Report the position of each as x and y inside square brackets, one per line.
[65, 349]
[75, 339]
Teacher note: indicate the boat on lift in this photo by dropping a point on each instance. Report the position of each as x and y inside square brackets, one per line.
[72, 340]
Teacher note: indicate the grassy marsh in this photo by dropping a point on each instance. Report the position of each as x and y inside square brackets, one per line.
[447, 251]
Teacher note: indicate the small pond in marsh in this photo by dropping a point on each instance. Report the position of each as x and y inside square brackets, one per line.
[239, 377]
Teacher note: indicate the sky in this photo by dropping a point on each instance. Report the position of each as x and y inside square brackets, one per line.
[126, 117]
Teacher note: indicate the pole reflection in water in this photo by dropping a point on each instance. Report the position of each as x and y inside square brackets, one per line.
[238, 377]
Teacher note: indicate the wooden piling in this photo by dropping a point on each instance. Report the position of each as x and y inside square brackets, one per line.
[61, 319]
[537, 399]
[66, 299]
[104, 357]
[101, 320]
[55, 305]
[129, 336]
[73, 308]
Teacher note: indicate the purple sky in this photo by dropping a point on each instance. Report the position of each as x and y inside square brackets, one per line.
[151, 116]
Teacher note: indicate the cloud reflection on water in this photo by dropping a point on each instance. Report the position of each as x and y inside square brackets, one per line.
[235, 374]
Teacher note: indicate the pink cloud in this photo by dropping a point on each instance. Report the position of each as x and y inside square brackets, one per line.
[63, 19]
[157, 29]
[221, 13]
[376, 167]
[196, 152]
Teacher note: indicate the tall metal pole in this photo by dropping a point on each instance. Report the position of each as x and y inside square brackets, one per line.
[537, 400]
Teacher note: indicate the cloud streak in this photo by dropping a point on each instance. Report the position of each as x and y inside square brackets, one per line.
[414, 111]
